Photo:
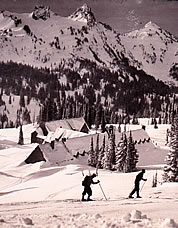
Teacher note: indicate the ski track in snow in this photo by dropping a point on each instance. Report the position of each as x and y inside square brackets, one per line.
[49, 197]
[70, 213]
[57, 193]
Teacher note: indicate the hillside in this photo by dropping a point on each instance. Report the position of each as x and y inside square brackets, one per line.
[64, 67]
[43, 38]
[154, 48]
[49, 195]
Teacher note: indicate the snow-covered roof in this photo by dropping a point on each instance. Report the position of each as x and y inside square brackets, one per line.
[63, 133]
[72, 124]
[76, 123]
[83, 143]
[53, 125]
[57, 155]
[138, 134]
[13, 157]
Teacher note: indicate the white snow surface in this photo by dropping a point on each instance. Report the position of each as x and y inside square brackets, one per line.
[42, 196]
[150, 48]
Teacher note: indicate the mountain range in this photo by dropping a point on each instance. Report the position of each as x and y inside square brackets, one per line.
[122, 15]
[44, 39]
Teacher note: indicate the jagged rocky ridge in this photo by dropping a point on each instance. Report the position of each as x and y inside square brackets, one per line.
[45, 39]
[84, 14]
[84, 69]
[41, 12]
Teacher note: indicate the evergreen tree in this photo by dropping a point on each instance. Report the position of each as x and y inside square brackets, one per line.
[59, 110]
[97, 149]
[113, 117]
[109, 159]
[119, 128]
[155, 180]
[171, 167]
[103, 123]
[134, 120]
[167, 136]
[85, 112]
[91, 155]
[19, 118]
[3, 119]
[121, 154]
[98, 116]
[42, 94]
[101, 154]
[132, 155]
[155, 123]
[22, 99]
[26, 116]
[89, 117]
[10, 99]
[113, 149]
[21, 140]
[159, 120]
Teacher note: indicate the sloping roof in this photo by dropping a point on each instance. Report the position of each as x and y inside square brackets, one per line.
[14, 156]
[57, 155]
[49, 138]
[76, 123]
[83, 143]
[138, 134]
[53, 125]
[39, 131]
[63, 133]
[71, 124]
[35, 156]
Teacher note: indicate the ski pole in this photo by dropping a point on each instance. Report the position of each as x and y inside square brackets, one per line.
[103, 191]
[100, 184]
[142, 186]
[89, 172]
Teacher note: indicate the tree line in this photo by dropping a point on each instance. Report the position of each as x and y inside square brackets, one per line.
[99, 95]
[121, 157]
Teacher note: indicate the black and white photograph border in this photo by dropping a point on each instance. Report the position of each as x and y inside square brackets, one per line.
[88, 113]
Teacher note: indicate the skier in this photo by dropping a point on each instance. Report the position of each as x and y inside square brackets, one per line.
[136, 189]
[88, 180]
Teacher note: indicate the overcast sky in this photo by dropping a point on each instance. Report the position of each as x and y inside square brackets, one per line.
[122, 15]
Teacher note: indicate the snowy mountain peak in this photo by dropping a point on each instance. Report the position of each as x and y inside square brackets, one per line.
[149, 30]
[83, 14]
[151, 25]
[152, 47]
[41, 12]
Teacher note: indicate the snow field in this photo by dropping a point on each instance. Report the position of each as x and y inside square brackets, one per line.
[50, 197]
[44, 195]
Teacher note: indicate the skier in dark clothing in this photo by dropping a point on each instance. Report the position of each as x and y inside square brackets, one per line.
[87, 189]
[136, 189]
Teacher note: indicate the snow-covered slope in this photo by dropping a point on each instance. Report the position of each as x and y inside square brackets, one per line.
[12, 107]
[50, 197]
[47, 194]
[55, 39]
[154, 48]
[43, 38]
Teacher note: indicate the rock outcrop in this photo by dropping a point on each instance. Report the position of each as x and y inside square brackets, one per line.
[41, 12]
[84, 14]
